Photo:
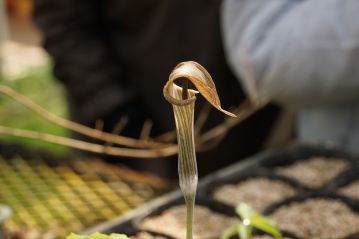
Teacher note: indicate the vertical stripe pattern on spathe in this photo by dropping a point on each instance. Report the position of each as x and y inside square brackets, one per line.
[187, 165]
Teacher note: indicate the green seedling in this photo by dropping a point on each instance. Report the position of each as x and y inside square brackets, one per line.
[97, 235]
[250, 219]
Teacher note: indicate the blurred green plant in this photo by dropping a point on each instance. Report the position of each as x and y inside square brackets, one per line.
[97, 235]
[40, 86]
[250, 219]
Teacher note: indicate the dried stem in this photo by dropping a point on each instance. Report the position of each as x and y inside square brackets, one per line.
[99, 124]
[119, 126]
[162, 145]
[91, 147]
[229, 123]
[201, 119]
[146, 130]
[145, 147]
[81, 129]
[167, 137]
[204, 141]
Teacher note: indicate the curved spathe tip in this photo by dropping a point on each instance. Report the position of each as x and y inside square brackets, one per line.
[200, 78]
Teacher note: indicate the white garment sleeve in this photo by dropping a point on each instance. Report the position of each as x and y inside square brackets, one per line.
[301, 53]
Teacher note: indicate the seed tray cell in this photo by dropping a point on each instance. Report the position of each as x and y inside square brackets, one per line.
[331, 213]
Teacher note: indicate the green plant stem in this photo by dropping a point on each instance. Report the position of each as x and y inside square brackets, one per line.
[190, 212]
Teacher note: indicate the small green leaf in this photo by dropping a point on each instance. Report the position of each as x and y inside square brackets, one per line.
[231, 231]
[266, 225]
[251, 219]
[75, 236]
[245, 211]
[97, 235]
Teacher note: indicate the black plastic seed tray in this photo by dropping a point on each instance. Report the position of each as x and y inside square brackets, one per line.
[263, 165]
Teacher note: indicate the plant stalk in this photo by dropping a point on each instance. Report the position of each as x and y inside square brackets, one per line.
[190, 212]
[183, 100]
[187, 166]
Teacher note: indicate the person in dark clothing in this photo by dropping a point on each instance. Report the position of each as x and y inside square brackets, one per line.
[114, 57]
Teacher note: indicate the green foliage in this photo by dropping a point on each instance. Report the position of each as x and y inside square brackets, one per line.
[40, 86]
[97, 235]
[250, 219]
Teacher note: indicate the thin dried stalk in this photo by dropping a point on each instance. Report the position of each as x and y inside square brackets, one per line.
[222, 129]
[161, 145]
[183, 101]
[119, 126]
[81, 129]
[146, 130]
[204, 141]
[202, 118]
[90, 147]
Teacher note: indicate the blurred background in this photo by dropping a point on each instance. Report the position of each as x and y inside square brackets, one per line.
[48, 193]
[114, 57]
[26, 68]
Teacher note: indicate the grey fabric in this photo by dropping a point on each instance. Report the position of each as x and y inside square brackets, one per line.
[303, 55]
[337, 125]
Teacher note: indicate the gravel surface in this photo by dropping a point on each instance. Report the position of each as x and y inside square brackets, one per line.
[313, 172]
[317, 219]
[172, 222]
[259, 192]
[350, 190]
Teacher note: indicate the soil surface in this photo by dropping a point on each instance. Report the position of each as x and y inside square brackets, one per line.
[172, 222]
[258, 192]
[350, 190]
[317, 219]
[313, 172]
